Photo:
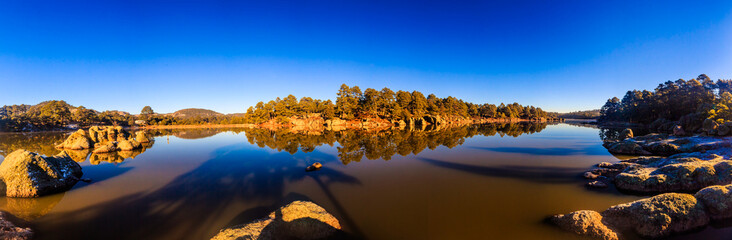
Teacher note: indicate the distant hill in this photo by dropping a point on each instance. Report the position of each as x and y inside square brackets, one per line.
[587, 114]
[195, 113]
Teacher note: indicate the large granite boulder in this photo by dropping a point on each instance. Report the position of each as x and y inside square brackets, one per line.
[128, 145]
[654, 217]
[77, 141]
[658, 216]
[28, 174]
[680, 172]
[718, 201]
[10, 231]
[585, 222]
[143, 137]
[297, 220]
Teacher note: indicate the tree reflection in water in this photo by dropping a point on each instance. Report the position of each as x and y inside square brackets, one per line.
[356, 144]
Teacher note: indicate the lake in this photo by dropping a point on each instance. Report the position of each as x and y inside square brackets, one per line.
[494, 181]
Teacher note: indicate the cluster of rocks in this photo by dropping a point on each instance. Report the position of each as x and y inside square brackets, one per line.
[28, 174]
[10, 231]
[297, 220]
[654, 217]
[105, 139]
[674, 164]
[661, 144]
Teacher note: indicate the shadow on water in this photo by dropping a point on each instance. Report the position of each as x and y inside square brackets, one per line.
[187, 207]
[535, 174]
[594, 150]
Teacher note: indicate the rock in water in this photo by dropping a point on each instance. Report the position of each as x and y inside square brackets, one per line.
[77, 141]
[585, 222]
[142, 136]
[315, 166]
[9, 231]
[28, 174]
[626, 133]
[658, 216]
[718, 201]
[297, 220]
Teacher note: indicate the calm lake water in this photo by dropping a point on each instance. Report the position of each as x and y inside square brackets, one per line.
[472, 182]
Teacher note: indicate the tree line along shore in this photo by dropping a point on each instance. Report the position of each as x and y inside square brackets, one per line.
[352, 108]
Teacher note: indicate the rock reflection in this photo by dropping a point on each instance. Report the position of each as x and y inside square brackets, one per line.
[30, 208]
[357, 144]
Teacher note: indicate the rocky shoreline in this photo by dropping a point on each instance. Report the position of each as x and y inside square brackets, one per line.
[692, 176]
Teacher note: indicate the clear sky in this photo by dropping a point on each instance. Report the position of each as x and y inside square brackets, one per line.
[228, 55]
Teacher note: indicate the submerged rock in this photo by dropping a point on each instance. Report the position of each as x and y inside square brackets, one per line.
[585, 222]
[9, 231]
[297, 220]
[28, 174]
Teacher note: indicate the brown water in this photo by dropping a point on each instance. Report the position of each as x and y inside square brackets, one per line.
[476, 182]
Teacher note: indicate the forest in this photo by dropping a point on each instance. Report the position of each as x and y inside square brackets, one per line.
[351, 103]
[698, 98]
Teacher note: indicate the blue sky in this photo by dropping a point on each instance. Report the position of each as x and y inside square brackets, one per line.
[228, 55]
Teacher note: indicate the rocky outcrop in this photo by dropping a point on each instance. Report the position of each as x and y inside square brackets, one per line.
[653, 217]
[666, 145]
[659, 216]
[297, 220]
[10, 231]
[585, 222]
[105, 139]
[28, 174]
[718, 201]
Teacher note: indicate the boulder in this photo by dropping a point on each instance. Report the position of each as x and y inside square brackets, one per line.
[142, 137]
[28, 174]
[105, 148]
[625, 148]
[709, 125]
[685, 176]
[9, 231]
[678, 131]
[128, 145]
[77, 141]
[589, 175]
[297, 220]
[658, 216]
[585, 222]
[597, 184]
[723, 130]
[625, 134]
[718, 201]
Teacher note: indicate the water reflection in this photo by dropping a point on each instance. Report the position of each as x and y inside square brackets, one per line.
[40, 142]
[357, 144]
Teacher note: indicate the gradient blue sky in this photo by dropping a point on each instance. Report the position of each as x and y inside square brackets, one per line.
[228, 55]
